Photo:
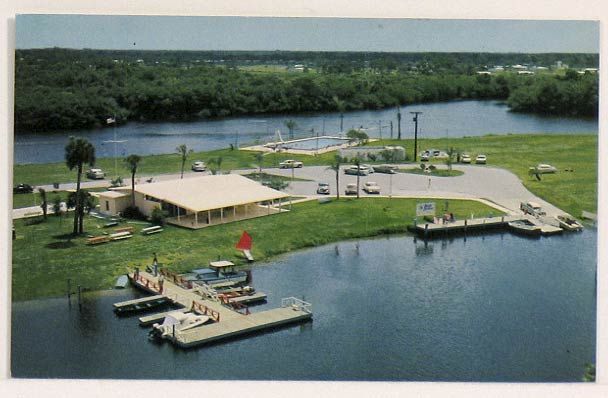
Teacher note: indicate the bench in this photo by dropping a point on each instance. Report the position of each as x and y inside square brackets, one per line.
[111, 224]
[152, 230]
[97, 240]
[33, 214]
[121, 235]
[124, 229]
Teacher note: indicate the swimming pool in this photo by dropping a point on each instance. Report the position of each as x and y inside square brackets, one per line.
[314, 143]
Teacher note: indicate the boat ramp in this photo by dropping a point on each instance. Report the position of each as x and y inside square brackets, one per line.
[230, 317]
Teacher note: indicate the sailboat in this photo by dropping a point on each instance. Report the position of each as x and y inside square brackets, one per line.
[244, 244]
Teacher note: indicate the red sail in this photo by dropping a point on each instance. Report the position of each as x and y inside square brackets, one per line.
[245, 242]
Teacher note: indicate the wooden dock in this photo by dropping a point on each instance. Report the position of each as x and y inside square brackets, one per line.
[142, 300]
[258, 296]
[429, 229]
[228, 321]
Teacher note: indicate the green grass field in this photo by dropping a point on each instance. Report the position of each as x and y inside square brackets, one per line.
[45, 255]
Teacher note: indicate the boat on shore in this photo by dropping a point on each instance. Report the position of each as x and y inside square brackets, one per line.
[568, 223]
[525, 227]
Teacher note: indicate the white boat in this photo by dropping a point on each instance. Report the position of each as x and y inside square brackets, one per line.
[177, 322]
[568, 223]
[525, 227]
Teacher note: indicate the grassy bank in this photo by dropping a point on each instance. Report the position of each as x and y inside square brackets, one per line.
[44, 256]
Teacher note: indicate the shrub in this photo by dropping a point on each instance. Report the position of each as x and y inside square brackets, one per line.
[133, 213]
[158, 216]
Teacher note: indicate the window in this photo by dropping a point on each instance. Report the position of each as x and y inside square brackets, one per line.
[107, 205]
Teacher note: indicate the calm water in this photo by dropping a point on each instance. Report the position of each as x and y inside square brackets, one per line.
[491, 308]
[455, 119]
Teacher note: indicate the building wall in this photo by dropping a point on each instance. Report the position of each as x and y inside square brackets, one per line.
[113, 206]
[146, 206]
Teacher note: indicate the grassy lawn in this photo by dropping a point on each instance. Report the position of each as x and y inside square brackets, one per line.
[44, 256]
[571, 191]
[434, 173]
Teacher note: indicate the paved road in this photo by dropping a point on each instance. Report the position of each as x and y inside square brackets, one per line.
[494, 185]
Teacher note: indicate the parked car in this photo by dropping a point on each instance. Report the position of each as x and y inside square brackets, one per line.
[545, 169]
[481, 159]
[370, 168]
[362, 170]
[323, 188]
[351, 189]
[199, 166]
[465, 158]
[532, 208]
[23, 188]
[290, 164]
[96, 174]
[385, 168]
[371, 187]
[424, 157]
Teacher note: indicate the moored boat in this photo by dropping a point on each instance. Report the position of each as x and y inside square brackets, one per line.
[220, 273]
[176, 322]
[568, 223]
[525, 227]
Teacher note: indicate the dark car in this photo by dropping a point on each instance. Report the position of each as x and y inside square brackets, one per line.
[23, 188]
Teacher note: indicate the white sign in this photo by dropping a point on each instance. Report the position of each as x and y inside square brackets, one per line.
[425, 209]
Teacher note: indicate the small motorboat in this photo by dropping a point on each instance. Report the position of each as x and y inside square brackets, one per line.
[176, 322]
[568, 223]
[121, 282]
[525, 227]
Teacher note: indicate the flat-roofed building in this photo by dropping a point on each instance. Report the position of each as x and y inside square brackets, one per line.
[199, 201]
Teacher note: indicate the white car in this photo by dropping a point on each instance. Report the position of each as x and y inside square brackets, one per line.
[481, 159]
[351, 189]
[354, 170]
[386, 168]
[545, 169]
[96, 174]
[371, 187]
[290, 164]
[199, 166]
[464, 158]
[323, 188]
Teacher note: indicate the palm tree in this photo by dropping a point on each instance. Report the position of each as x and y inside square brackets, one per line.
[451, 152]
[259, 157]
[341, 107]
[335, 166]
[215, 165]
[79, 152]
[44, 205]
[184, 152]
[132, 162]
[357, 162]
[398, 122]
[291, 125]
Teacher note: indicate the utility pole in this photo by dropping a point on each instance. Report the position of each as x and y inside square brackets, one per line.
[415, 119]
[399, 124]
[391, 129]
[380, 129]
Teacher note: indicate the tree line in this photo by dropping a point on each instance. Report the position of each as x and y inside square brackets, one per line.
[72, 94]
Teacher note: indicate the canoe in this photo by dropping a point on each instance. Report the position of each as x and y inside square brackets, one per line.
[122, 282]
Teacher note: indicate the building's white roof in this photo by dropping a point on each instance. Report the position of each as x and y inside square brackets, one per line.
[210, 192]
[112, 194]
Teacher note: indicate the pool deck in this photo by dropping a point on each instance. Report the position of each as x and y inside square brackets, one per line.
[271, 146]
[228, 321]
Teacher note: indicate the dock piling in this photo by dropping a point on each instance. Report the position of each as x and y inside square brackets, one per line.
[79, 298]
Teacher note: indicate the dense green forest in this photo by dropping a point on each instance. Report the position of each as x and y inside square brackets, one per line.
[57, 89]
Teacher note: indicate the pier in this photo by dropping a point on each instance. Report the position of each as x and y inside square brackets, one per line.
[430, 229]
[231, 318]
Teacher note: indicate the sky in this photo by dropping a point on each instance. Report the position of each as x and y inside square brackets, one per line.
[298, 34]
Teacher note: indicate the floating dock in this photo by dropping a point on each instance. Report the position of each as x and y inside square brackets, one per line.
[141, 304]
[429, 229]
[230, 319]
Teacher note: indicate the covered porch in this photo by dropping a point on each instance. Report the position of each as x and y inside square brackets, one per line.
[207, 218]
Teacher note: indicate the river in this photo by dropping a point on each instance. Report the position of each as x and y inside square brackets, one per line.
[496, 307]
[453, 119]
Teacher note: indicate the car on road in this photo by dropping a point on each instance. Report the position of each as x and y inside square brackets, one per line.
[323, 188]
[371, 187]
[361, 170]
[96, 174]
[290, 164]
[481, 159]
[465, 158]
[23, 188]
[386, 168]
[532, 208]
[545, 169]
[199, 166]
[351, 189]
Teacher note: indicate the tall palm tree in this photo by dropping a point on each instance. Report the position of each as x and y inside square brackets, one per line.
[291, 125]
[44, 205]
[79, 152]
[132, 162]
[357, 162]
[335, 166]
[341, 107]
[183, 151]
[398, 122]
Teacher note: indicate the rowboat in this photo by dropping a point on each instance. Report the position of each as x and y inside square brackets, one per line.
[525, 227]
[568, 223]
